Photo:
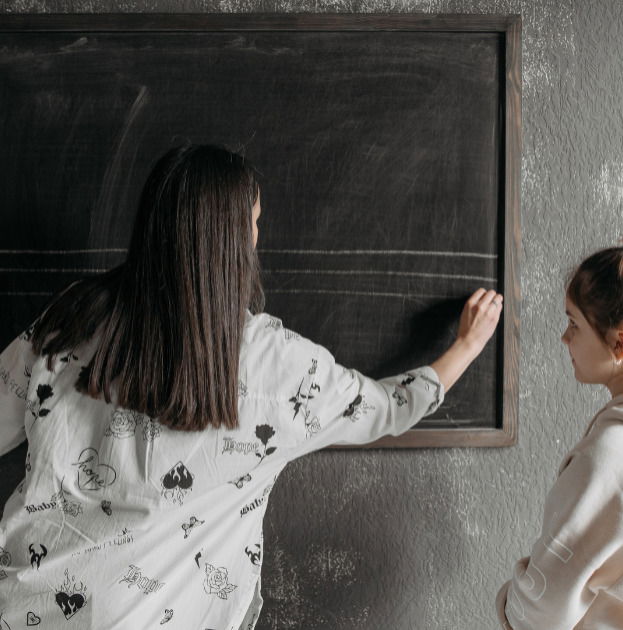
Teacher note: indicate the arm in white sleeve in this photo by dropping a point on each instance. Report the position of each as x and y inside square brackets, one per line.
[342, 406]
[15, 367]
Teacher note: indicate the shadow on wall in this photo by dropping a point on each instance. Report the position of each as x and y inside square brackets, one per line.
[363, 551]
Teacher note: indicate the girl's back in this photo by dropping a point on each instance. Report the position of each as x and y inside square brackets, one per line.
[123, 522]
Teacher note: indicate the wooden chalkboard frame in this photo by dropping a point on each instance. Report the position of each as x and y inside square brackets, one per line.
[509, 26]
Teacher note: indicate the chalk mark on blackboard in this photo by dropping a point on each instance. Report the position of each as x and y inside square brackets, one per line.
[353, 272]
[59, 251]
[38, 270]
[382, 252]
[408, 296]
[26, 293]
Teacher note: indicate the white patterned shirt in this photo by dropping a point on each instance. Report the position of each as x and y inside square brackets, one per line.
[121, 522]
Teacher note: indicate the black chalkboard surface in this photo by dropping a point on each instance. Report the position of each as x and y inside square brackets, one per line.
[389, 153]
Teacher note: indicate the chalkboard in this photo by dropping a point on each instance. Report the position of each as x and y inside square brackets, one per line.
[389, 152]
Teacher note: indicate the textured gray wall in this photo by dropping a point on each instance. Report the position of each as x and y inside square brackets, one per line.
[423, 539]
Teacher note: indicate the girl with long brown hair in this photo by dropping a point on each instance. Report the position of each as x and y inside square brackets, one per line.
[160, 404]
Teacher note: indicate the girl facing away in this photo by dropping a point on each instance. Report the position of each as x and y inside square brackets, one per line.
[160, 405]
[574, 576]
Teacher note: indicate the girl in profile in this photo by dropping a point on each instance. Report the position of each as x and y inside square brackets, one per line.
[573, 578]
[160, 404]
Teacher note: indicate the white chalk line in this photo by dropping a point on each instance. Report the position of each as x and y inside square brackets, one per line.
[366, 293]
[381, 252]
[54, 270]
[26, 293]
[418, 274]
[59, 251]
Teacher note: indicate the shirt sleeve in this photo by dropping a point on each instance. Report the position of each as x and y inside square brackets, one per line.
[15, 368]
[342, 406]
[573, 558]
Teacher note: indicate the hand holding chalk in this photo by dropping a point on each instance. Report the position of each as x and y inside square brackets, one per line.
[479, 318]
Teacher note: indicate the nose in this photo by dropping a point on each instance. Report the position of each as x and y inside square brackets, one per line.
[565, 337]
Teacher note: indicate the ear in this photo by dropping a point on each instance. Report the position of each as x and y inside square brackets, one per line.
[618, 345]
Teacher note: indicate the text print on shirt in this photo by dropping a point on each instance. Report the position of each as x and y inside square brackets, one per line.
[91, 474]
[535, 578]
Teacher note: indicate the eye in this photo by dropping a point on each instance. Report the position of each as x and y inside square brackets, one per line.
[572, 324]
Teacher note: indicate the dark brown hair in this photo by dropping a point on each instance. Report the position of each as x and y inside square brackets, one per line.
[596, 288]
[170, 319]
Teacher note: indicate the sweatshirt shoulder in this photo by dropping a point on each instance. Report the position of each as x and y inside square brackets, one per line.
[603, 444]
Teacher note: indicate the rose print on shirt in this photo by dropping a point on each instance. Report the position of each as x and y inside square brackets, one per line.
[74, 508]
[105, 505]
[70, 596]
[91, 474]
[123, 424]
[176, 483]
[44, 392]
[265, 432]
[216, 580]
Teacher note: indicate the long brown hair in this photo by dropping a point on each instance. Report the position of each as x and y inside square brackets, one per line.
[170, 319]
[596, 288]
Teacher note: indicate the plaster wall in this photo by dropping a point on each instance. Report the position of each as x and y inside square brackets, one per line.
[423, 539]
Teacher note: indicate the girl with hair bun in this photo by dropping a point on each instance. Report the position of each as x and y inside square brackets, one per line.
[160, 405]
[573, 578]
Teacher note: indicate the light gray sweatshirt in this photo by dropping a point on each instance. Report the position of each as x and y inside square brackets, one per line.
[573, 579]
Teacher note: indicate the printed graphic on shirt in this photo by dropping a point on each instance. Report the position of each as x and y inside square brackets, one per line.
[234, 446]
[276, 324]
[256, 502]
[357, 408]
[4, 624]
[242, 389]
[36, 555]
[32, 508]
[124, 537]
[134, 577]
[12, 385]
[312, 425]
[32, 619]
[265, 432]
[168, 614]
[188, 527]
[400, 399]
[299, 399]
[70, 596]
[27, 334]
[92, 475]
[5, 561]
[255, 555]
[60, 501]
[177, 483]
[105, 505]
[216, 580]
[44, 392]
[437, 386]
[241, 481]
[125, 422]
